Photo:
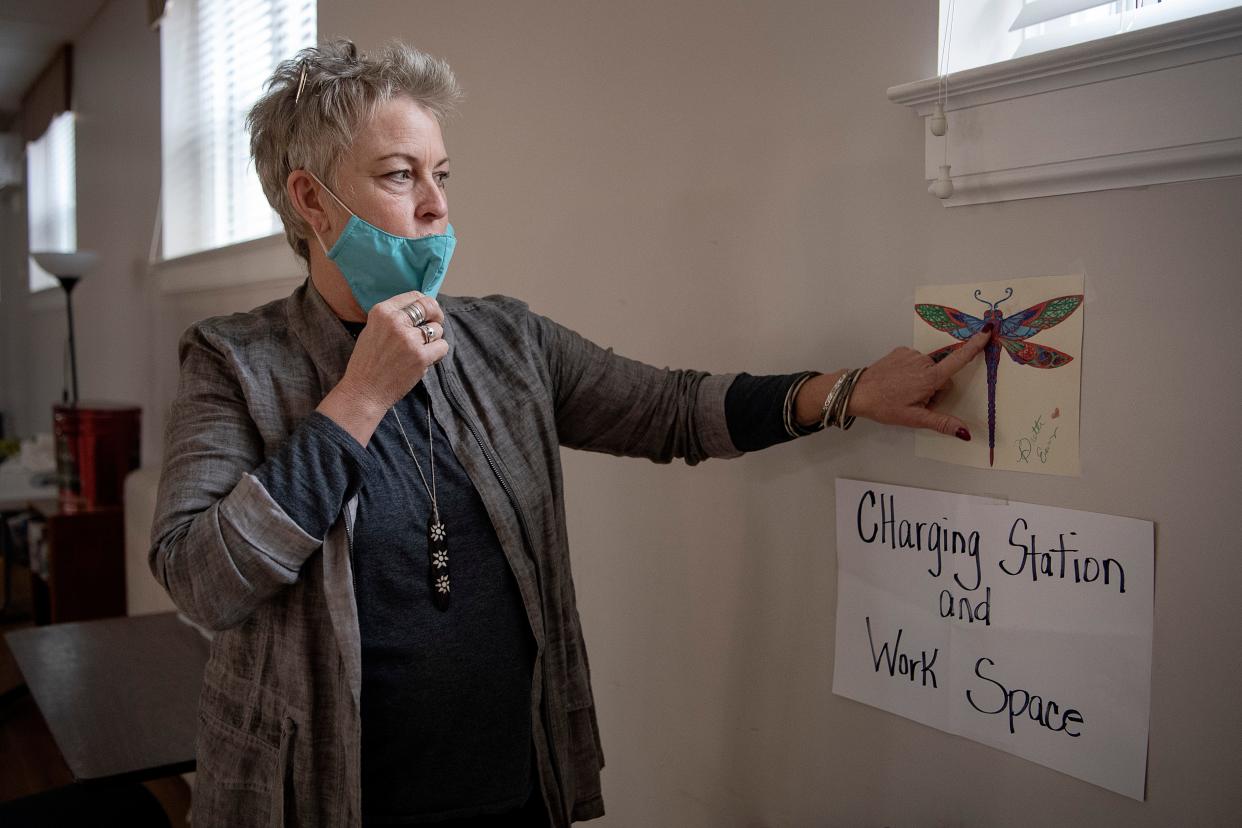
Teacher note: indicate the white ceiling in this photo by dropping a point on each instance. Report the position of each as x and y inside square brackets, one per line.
[30, 31]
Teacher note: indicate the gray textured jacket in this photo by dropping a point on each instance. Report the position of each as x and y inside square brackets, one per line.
[279, 727]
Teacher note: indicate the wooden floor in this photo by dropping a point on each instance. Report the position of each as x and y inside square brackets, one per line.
[29, 757]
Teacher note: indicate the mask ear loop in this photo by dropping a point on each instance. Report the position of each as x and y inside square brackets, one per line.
[337, 200]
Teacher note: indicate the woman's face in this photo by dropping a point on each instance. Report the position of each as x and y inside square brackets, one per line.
[394, 174]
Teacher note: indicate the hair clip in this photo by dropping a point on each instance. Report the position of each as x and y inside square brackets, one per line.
[301, 84]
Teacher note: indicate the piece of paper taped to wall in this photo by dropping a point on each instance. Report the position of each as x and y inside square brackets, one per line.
[1038, 377]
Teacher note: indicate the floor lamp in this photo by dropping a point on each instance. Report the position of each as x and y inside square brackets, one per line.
[68, 268]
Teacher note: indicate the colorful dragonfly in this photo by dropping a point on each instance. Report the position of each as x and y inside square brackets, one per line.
[1009, 332]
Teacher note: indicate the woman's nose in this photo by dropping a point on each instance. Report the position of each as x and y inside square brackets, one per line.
[432, 203]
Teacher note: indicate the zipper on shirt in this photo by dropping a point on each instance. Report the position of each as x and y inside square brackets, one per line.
[446, 385]
[349, 548]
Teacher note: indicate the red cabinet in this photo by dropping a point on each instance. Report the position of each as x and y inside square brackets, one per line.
[82, 575]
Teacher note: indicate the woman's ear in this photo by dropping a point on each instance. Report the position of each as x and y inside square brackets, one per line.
[308, 200]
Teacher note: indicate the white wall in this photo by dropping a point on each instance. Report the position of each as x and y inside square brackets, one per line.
[116, 98]
[726, 186]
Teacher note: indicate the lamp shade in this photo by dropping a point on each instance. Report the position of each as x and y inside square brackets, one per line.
[66, 264]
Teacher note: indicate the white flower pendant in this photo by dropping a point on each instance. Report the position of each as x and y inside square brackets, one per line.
[438, 563]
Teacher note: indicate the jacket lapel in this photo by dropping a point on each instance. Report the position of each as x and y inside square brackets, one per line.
[321, 334]
[330, 346]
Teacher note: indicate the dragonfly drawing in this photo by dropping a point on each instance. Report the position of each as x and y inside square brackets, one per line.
[1009, 332]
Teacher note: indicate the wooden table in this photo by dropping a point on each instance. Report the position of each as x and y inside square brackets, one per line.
[120, 695]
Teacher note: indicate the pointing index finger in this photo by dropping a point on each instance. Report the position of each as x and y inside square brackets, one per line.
[960, 358]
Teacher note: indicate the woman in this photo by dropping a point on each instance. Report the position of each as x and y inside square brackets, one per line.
[362, 490]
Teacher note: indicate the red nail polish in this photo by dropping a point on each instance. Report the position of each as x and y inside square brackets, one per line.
[963, 434]
[987, 329]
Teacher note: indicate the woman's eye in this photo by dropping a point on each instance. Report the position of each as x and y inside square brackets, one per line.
[442, 178]
[400, 176]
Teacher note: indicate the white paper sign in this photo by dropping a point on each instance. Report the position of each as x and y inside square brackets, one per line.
[1024, 627]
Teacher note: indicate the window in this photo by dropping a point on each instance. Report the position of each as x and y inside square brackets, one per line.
[51, 198]
[1154, 104]
[989, 31]
[215, 56]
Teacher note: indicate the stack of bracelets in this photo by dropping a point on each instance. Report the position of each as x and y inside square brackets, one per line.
[835, 404]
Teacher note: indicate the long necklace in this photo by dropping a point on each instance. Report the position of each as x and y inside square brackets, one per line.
[437, 535]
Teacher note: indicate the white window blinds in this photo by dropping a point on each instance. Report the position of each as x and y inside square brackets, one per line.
[990, 31]
[51, 195]
[215, 56]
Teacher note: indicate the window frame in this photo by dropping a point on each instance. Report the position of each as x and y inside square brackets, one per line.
[267, 260]
[240, 262]
[1091, 116]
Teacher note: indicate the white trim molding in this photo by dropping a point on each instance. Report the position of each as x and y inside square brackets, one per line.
[1149, 107]
[266, 261]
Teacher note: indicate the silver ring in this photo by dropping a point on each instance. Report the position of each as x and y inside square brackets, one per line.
[415, 311]
[430, 334]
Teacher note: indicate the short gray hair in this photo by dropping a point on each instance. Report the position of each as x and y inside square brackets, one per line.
[341, 92]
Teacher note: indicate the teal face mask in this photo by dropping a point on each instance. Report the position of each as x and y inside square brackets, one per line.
[378, 265]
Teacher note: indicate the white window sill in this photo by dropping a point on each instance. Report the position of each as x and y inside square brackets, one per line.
[1149, 107]
[264, 262]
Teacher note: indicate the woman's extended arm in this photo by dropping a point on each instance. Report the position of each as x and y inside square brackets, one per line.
[899, 389]
[605, 402]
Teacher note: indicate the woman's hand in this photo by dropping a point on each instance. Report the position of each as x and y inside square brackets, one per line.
[899, 389]
[391, 357]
